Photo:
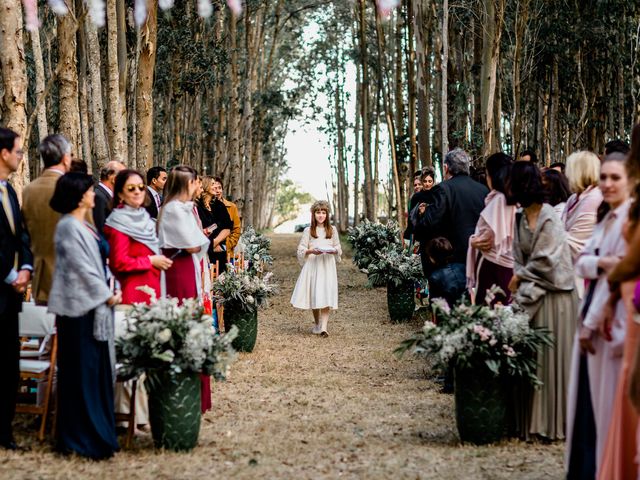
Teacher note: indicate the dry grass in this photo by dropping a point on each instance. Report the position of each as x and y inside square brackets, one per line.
[306, 407]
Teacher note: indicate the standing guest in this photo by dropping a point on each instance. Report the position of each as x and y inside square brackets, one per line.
[79, 165]
[543, 285]
[417, 183]
[454, 209]
[216, 223]
[40, 219]
[557, 189]
[490, 257]
[232, 210]
[417, 188]
[83, 303]
[528, 155]
[181, 238]
[135, 260]
[579, 216]
[621, 449]
[557, 166]
[445, 281]
[596, 359]
[428, 178]
[15, 272]
[156, 178]
[104, 193]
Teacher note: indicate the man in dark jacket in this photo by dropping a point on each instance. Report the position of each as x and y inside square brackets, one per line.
[104, 193]
[16, 265]
[453, 209]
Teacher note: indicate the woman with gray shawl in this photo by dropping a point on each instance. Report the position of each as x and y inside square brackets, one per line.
[83, 304]
[134, 249]
[135, 260]
[543, 284]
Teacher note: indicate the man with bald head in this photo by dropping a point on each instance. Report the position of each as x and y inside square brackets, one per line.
[104, 193]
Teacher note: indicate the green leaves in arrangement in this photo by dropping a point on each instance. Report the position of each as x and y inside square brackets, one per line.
[256, 248]
[243, 290]
[466, 336]
[172, 337]
[393, 265]
[367, 238]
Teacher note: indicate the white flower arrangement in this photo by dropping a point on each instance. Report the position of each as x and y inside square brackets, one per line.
[368, 238]
[467, 336]
[256, 248]
[178, 338]
[393, 265]
[244, 290]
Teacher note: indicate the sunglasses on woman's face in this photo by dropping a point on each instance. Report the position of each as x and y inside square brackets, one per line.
[132, 187]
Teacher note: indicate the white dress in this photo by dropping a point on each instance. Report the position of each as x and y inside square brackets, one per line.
[317, 285]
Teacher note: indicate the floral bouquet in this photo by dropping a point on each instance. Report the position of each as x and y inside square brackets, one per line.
[172, 337]
[256, 248]
[469, 335]
[243, 290]
[394, 265]
[368, 238]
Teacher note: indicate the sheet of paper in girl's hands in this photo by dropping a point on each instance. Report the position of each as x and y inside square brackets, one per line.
[328, 250]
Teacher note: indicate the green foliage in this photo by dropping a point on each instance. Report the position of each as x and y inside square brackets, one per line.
[175, 338]
[256, 248]
[242, 290]
[368, 238]
[467, 336]
[394, 265]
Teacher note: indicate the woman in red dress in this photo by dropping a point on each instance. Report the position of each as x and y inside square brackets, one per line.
[182, 240]
[134, 254]
[135, 260]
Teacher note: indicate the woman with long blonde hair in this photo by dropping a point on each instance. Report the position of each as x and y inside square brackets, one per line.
[318, 251]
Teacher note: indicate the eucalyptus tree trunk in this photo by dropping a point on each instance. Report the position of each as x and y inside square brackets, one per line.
[100, 147]
[41, 109]
[68, 78]
[422, 19]
[117, 140]
[144, 88]
[14, 81]
[369, 187]
[493, 18]
[233, 127]
[522, 14]
[444, 102]
[123, 77]
[83, 93]
[410, 61]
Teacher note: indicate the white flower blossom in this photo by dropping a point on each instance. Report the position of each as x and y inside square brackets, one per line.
[163, 336]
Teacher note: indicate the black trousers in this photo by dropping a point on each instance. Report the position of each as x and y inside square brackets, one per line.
[9, 364]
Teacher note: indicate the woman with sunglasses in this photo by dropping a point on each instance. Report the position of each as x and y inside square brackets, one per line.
[134, 258]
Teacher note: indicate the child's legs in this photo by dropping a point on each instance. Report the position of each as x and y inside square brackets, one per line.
[316, 315]
[324, 318]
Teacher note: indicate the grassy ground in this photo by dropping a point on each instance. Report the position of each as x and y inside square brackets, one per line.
[300, 406]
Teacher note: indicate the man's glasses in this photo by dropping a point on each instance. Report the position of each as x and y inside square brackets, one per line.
[132, 187]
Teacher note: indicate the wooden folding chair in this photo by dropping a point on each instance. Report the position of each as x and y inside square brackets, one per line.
[130, 416]
[38, 359]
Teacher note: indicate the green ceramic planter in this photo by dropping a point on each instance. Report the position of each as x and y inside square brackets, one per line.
[174, 409]
[481, 406]
[400, 302]
[247, 324]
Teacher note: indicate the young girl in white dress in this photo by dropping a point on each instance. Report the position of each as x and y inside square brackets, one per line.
[318, 251]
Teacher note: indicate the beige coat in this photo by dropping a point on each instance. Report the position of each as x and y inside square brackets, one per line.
[236, 231]
[41, 222]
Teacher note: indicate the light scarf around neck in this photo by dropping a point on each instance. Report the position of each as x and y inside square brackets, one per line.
[137, 224]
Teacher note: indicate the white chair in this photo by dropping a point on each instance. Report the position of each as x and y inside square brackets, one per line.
[36, 322]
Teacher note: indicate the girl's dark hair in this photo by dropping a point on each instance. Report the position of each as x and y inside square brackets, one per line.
[525, 185]
[556, 186]
[428, 172]
[439, 252]
[121, 180]
[69, 191]
[498, 168]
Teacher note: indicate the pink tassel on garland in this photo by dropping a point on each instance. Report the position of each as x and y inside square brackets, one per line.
[235, 6]
[31, 15]
[385, 7]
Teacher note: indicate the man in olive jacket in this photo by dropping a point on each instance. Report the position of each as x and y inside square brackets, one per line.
[41, 220]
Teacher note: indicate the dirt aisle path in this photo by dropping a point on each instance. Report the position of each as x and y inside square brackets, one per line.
[300, 406]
